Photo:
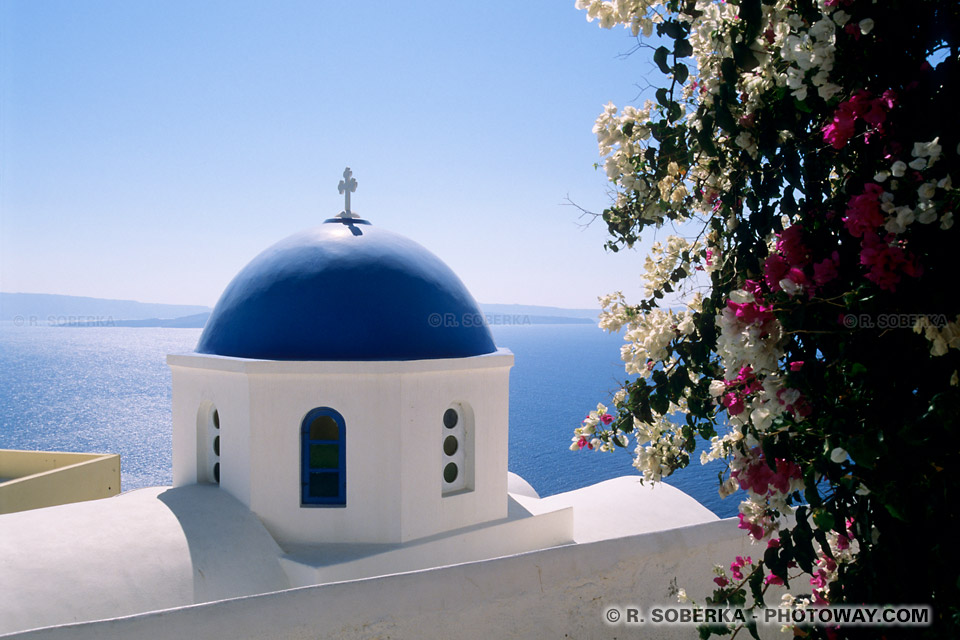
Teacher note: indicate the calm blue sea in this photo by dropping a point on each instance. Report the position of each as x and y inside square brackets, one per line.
[108, 389]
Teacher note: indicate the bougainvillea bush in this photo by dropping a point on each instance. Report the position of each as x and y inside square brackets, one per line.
[795, 168]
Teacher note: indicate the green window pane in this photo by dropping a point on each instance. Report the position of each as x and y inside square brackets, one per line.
[324, 456]
[324, 485]
[450, 418]
[324, 428]
[450, 473]
[450, 445]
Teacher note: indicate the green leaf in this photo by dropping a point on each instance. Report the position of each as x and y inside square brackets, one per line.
[682, 48]
[662, 98]
[674, 29]
[660, 57]
[823, 519]
[673, 112]
[756, 585]
[680, 72]
[660, 403]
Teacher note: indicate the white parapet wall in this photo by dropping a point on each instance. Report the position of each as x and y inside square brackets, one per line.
[552, 593]
[36, 479]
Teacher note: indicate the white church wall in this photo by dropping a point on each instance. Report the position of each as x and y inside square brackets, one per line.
[197, 392]
[542, 594]
[480, 395]
[393, 426]
[369, 406]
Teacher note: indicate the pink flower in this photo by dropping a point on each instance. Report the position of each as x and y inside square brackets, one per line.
[606, 418]
[754, 529]
[843, 542]
[739, 562]
[775, 268]
[796, 365]
[721, 581]
[819, 580]
[887, 260]
[733, 402]
[790, 245]
[825, 271]
[773, 543]
[772, 579]
[583, 442]
[863, 211]
[759, 478]
[863, 106]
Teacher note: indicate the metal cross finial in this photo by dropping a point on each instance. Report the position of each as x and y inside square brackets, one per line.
[347, 186]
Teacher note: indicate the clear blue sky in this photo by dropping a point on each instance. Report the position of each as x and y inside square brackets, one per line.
[149, 150]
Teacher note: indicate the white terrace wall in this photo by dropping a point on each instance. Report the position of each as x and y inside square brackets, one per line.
[554, 593]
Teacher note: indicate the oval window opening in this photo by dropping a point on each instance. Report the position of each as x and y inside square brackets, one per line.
[450, 473]
[450, 418]
[450, 445]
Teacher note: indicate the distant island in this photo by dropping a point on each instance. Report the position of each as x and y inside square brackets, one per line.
[42, 309]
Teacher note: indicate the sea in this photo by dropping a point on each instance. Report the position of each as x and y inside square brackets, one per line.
[107, 389]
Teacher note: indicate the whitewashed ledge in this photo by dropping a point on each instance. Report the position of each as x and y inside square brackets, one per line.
[539, 594]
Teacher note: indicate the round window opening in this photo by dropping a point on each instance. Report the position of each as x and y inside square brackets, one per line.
[450, 445]
[450, 473]
[450, 418]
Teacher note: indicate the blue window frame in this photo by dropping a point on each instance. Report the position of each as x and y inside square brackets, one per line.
[323, 459]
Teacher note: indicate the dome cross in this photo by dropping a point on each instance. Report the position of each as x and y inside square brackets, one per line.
[347, 186]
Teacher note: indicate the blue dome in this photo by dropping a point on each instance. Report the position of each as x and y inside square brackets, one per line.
[346, 290]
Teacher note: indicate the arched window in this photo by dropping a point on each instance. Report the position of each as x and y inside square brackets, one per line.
[323, 459]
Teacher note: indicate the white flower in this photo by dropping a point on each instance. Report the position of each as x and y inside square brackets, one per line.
[919, 164]
[866, 25]
[790, 287]
[928, 213]
[717, 388]
[898, 169]
[838, 455]
[729, 487]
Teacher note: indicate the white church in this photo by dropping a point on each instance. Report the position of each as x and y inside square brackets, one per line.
[340, 471]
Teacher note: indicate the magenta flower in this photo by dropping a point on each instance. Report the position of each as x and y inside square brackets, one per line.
[825, 271]
[887, 260]
[755, 530]
[606, 418]
[772, 579]
[863, 211]
[775, 268]
[790, 245]
[796, 365]
[733, 402]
